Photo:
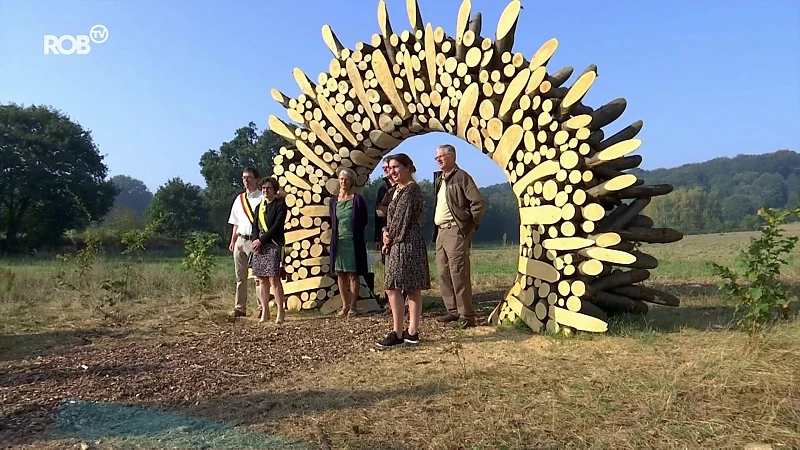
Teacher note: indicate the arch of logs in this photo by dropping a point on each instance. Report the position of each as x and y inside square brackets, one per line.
[580, 211]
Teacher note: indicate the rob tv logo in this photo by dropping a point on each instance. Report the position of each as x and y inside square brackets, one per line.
[80, 44]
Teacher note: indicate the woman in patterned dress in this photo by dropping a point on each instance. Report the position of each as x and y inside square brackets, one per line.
[348, 212]
[407, 261]
[268, 241]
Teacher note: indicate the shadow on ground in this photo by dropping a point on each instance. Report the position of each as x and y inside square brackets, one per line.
[28, 345]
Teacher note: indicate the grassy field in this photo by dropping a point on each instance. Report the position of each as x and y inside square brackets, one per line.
[676, 378]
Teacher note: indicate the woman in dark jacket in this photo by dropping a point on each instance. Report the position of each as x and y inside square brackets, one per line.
[348, 212]
[268, 241]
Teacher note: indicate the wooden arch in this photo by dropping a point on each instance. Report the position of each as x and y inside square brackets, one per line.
[580, 212]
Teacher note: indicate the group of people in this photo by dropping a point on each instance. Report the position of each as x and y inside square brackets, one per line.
[257, 241]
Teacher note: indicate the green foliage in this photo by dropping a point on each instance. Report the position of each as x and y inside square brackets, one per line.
[177, 210]
[222, 169]
[761, 293]
[133, 194]
[199, 260]
[53, 177]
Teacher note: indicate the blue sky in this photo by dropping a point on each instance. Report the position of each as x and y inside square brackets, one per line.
[709, 78]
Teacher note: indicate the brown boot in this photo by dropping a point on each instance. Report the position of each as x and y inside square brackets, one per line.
[451, 316]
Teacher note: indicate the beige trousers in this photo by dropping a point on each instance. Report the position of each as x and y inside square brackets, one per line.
[454, 268]
[241, 252]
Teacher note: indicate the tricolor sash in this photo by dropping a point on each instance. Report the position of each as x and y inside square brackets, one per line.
[246, 207]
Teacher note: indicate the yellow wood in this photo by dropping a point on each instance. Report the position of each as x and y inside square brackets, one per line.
[383, 20]
[569, 159]
[323, 135]
[335, 120]
[332, 305]
[358, 85]
[513, 91]
[463, 19]
[407, 62]
[326, 236]
[295, 116]
[538, 269]
[466, 106]
[383, 140]
[313, 158]
[539, 215]
[361, 158]
[280, 98]
[578, 321]
[608, 255]
[307, 284]
[299, 235]
[525, 314]
[316, 261]
[593, 212]
[507, 20]
[430, 55]
[577, 91]
[508, 144]
[578, 122]
[281, 129]
[297, 181]
[619, 150]
[537, 75]
[607, 239]
[620, 182]
[414, 16]
[590, 267]
[567, 243]
[304, 82]
[544, 169]
[384, 76]
[544, 54]
[332, 41]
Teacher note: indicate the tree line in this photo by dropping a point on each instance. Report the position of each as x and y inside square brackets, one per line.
[54, 180]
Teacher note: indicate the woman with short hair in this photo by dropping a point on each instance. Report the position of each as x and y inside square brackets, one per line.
[268, 241]
[348, 260]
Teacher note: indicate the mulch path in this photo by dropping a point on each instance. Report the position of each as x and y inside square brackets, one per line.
[175, 371]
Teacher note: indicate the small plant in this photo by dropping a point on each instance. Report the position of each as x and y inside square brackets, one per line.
[505, 239]
[199, 260]
[762, 293]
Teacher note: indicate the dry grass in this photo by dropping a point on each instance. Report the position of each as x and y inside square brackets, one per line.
[677, 378]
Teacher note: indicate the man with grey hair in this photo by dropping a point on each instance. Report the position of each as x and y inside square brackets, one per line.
[458, 209]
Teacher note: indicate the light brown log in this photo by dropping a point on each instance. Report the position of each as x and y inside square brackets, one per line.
[384, 76]
[430, 55]
[614, 152]
[414, 15]
[615, 184]
[332, 41]
[545, 169]
[506, 27]
[312, 157]
[538, 269]
[323, 135]
[508, 145]
[511, 97]
[383, 140]
[543, 54]
[527, 316]
[624, 134]
[567, 243]
[307, 284]
[577, 320]
[335, 120]
[608, 255]
[576, 92]
[539, 215]
[534, 82]
[466, 107]
[282, 129]
[461, 25]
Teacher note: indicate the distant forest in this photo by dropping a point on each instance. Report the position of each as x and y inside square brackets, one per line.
[719, 195]
[723, 194]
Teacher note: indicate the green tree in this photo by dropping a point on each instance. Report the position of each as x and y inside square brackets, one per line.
[222, 169]
[52, 176]
[178, 209]
[133, 194]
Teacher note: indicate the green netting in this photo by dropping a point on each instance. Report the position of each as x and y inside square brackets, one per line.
[123, 426]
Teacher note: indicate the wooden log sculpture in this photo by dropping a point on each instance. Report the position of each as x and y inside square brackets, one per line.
[580, 210]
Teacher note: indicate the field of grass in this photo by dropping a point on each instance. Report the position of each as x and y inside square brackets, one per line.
[675, 378]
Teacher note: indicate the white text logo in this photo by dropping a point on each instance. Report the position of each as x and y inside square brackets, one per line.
[69, 44]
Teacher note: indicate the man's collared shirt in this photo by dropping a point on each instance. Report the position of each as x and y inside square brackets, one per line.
[239, 216]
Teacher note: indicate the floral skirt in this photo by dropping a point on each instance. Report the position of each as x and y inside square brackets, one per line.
[266, 263]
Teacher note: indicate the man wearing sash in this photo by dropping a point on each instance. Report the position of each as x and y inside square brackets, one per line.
[241, 245]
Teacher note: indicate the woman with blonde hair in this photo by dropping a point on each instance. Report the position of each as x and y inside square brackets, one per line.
[407, 262]
[268, 241]
[348, 212]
